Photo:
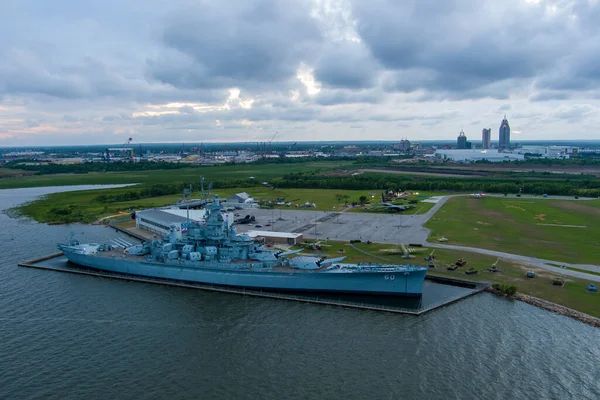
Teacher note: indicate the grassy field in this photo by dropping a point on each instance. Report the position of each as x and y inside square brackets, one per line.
[572, 295]
[565, 231]
[260, 172]
[7, 173]
[85, 208]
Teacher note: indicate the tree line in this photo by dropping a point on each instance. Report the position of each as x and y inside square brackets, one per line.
[587, 187]
[83, 168]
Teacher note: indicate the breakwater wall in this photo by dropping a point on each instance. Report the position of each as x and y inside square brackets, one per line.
[549, 306]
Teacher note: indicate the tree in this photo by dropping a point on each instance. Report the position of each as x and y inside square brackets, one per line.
[362, 199]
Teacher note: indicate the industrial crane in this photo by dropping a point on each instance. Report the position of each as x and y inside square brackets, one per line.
[271, 141]
[121, 149]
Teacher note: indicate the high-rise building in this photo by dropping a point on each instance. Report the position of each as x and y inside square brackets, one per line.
[504, 135]
[461, 141]
[405, 145]
[486, 138]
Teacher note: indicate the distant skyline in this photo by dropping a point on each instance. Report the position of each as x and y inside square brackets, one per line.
[98, 72]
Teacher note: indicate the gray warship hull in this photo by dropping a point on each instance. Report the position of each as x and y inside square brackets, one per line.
[403, 283]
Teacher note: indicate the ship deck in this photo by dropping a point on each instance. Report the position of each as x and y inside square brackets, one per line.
[437, 292]
[118, 253]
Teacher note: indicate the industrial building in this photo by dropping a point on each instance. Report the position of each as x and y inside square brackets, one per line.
[239, 201]
[277, 237]
[556, 152]
[240, 198]
[476, 155]
[160, 220]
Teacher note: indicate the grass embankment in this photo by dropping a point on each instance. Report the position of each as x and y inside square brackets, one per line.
[573, 294]
[565, 231]
[85, 206]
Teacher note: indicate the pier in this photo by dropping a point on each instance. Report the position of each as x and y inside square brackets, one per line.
[59, 263]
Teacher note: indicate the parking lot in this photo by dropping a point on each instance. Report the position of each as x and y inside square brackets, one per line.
[379, 228]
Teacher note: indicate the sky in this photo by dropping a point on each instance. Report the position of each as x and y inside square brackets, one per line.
[101, 71]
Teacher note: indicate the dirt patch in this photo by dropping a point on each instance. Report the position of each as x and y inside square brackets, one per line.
[554, 169]
[577, 206]
[540, 273]
[491, 213]
[516, 207]
[408, 171]
[341, 172]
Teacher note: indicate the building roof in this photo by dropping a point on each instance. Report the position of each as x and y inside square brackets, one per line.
[194, 214]
[168, 216]
[489, 154]
[285, 235]
[243, 195]
[161, 215]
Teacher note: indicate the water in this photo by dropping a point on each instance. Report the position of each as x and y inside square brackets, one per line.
[66, 336]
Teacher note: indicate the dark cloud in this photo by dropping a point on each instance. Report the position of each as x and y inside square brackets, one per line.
[25, 73]
[236, 44]
[450, 47]
[346, 65]
[550, 95]
[333, 97]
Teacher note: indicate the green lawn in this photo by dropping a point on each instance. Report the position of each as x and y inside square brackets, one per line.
[572, 295]
[85, 208]
[532, 227]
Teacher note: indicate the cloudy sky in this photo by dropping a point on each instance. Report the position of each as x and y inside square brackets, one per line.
[100, 71]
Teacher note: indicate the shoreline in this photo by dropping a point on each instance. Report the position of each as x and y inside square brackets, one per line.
[552, 307]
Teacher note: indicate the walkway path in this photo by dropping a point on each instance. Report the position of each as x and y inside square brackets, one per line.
[537, 262]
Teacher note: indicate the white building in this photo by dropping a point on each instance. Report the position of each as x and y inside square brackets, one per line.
[239, 201]
[472, 155]
[561, 152]
[277, 237]
[240, 198]
[160, 220]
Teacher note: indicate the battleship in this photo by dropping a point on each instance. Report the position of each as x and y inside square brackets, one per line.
[211, 252]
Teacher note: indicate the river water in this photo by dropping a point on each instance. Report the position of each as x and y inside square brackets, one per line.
[65, 336]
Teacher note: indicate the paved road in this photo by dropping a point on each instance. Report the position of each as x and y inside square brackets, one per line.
[530, 196]
[537, 262]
